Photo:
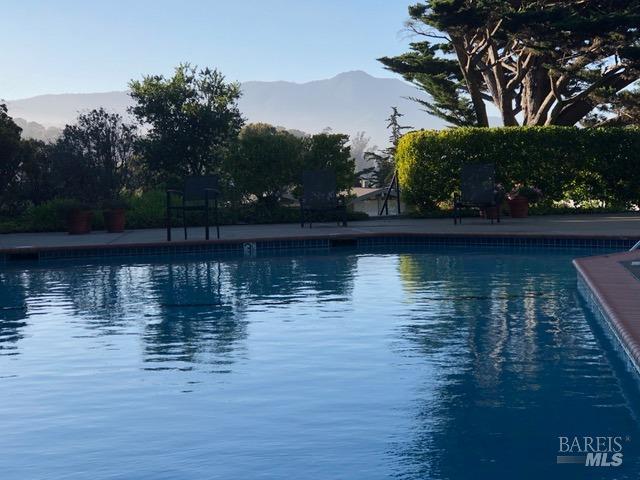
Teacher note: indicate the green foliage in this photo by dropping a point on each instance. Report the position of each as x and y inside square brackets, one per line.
[267, 162]
[148, 210]
[330, 151]
[540, 62]
[9, 158]
[440, 77]
[193, 126]
[193, 118]
[48, 216]
[94, 159]
[566, 163]
[37, 176]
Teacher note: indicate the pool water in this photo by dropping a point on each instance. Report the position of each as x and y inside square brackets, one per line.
[433, 364]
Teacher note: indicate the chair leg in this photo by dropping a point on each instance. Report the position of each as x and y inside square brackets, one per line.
[206, 214]
[184, 222]
[216, 218]
[168, 217]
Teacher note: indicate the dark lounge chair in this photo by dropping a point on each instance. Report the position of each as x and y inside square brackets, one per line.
[198, 194]
[319, 194]
[477, 190]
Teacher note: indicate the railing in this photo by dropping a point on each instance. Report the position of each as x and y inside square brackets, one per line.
[394, 183]
[635, 247]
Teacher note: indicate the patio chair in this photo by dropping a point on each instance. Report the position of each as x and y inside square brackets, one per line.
[319, 194]
[197, 195]
[477, 190]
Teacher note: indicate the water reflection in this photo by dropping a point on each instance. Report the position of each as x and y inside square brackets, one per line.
[13, 313]
[468, 365]
[187, 312]
[514, 371]
[198, 318]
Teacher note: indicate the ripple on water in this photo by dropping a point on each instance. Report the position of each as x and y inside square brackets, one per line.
[443, 364]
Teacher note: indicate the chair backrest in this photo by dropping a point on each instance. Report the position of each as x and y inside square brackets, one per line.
[194, 187]
[477, 184]
[319, 189]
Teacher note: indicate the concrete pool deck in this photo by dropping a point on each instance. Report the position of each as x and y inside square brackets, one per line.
[596, 226]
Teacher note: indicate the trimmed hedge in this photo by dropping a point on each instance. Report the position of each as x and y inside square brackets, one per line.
[566, 163]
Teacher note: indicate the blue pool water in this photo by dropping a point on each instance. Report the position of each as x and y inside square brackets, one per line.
[437, 364]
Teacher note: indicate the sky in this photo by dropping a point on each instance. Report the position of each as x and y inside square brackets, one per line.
[74, 46]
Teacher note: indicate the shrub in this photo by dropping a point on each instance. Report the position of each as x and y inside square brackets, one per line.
[267, 162]
[564, 162]
[94, 158]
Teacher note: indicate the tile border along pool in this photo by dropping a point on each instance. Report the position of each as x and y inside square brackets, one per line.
[253, 246]
[613, 293]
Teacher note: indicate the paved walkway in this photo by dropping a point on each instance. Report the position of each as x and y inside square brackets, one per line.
[588, 226]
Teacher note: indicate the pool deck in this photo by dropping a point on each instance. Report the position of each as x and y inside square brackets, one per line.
[613, 226]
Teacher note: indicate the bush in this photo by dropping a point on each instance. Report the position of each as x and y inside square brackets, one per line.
[266, 163]
[148, 210]
[566, 163]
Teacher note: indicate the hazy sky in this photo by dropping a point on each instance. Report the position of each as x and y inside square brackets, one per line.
[88, 46]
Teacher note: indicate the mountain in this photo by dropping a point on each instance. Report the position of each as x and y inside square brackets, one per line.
[58, 110]
[348, 103]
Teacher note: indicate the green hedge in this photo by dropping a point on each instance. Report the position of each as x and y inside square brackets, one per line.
[567, 163]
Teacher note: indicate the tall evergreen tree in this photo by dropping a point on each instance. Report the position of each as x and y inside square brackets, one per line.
[384, 160]
[540, 62]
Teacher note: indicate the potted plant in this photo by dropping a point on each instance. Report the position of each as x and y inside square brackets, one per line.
[114, 214]
[520, 198]
[77, 216]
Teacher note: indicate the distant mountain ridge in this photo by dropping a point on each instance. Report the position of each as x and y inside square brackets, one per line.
[348, 103]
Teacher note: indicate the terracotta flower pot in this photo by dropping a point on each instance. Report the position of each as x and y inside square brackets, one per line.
[79, 222]
[114, 220]
[519, 207]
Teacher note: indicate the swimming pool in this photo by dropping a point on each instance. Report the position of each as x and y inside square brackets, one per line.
[434, 363]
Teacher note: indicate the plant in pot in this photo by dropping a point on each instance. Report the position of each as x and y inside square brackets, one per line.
[77, 215]
[114, 214]
[520, 197]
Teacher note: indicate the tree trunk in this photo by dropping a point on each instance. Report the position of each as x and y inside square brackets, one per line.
[473, 80]
[535, 89]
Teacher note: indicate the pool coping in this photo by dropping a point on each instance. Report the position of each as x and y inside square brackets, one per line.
[613, 292]
[252, 245]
